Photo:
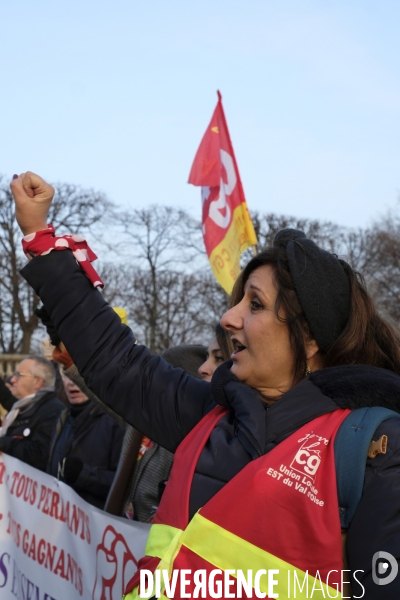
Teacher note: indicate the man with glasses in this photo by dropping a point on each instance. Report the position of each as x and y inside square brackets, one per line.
[33, 409]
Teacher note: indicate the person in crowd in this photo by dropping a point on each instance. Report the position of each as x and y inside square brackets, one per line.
[6, 396]
[85, 447]
[153, 461]
[309, 348]
[33, 409]
[8, 383]
[48, 345]
[219, 351]
[136, 488]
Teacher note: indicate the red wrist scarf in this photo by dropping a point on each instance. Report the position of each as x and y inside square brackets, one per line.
[44, 241]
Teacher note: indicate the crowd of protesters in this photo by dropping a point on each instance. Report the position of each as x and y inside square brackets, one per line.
[73, 438]
[288, 388]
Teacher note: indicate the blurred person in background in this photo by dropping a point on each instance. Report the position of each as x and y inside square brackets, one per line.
[138, 485]
[33, 408]
[149, 475]
[6, 397]
[219, 351]
[85, 447]
[48, 345]
[153, 461]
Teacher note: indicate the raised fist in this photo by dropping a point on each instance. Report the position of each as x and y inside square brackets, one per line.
[32, 196]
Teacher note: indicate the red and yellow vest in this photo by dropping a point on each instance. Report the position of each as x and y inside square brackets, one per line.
[279, 512]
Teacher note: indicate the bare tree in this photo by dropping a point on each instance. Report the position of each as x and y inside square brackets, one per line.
[159, 271]
[170, 306]
[73, 210]
[160, 241]
[374, 251]
[382, 264]
[189, 305]
[351, 244]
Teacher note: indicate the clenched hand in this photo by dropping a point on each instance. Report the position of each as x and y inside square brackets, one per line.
[32, 196]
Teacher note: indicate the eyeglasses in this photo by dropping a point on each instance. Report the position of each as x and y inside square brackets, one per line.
[17, 375]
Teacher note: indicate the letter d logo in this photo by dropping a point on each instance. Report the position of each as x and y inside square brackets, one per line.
[380, 568]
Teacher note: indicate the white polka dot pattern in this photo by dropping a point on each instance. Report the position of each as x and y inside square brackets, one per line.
[61, 242]
[43, 242]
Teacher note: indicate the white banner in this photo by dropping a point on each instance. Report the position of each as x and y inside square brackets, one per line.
[56, 546]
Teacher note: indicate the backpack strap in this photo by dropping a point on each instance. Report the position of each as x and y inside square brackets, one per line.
[351, 450]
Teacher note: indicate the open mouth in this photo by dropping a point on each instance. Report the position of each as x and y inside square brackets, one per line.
[238, 347]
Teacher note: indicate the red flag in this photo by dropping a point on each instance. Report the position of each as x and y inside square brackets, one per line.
[227, 226]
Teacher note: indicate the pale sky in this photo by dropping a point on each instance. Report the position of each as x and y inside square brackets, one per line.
[116, 95]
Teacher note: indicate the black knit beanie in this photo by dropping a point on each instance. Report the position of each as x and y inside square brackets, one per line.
[321, 284]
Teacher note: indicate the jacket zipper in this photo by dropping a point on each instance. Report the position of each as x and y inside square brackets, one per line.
[251, 440]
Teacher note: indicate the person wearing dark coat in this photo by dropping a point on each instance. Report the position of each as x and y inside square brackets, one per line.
[33, 409]
[154, 462]
[85, 447]
[308, 341]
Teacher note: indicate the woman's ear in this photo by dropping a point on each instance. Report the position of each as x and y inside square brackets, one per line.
[312, 354]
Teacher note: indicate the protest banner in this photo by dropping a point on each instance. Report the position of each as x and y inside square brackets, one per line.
[56, 546]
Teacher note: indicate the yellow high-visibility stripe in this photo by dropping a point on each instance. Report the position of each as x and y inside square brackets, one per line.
[225, 550]
[160, 537]
[163, 543]
[134, 595]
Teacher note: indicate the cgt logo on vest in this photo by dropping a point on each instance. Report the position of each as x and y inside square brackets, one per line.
[308, 456]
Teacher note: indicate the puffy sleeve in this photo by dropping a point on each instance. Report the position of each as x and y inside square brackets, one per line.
[162, 402]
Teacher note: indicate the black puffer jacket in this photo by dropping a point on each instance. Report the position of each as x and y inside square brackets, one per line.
[95, 439]
[28, 437]
[165, 404]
